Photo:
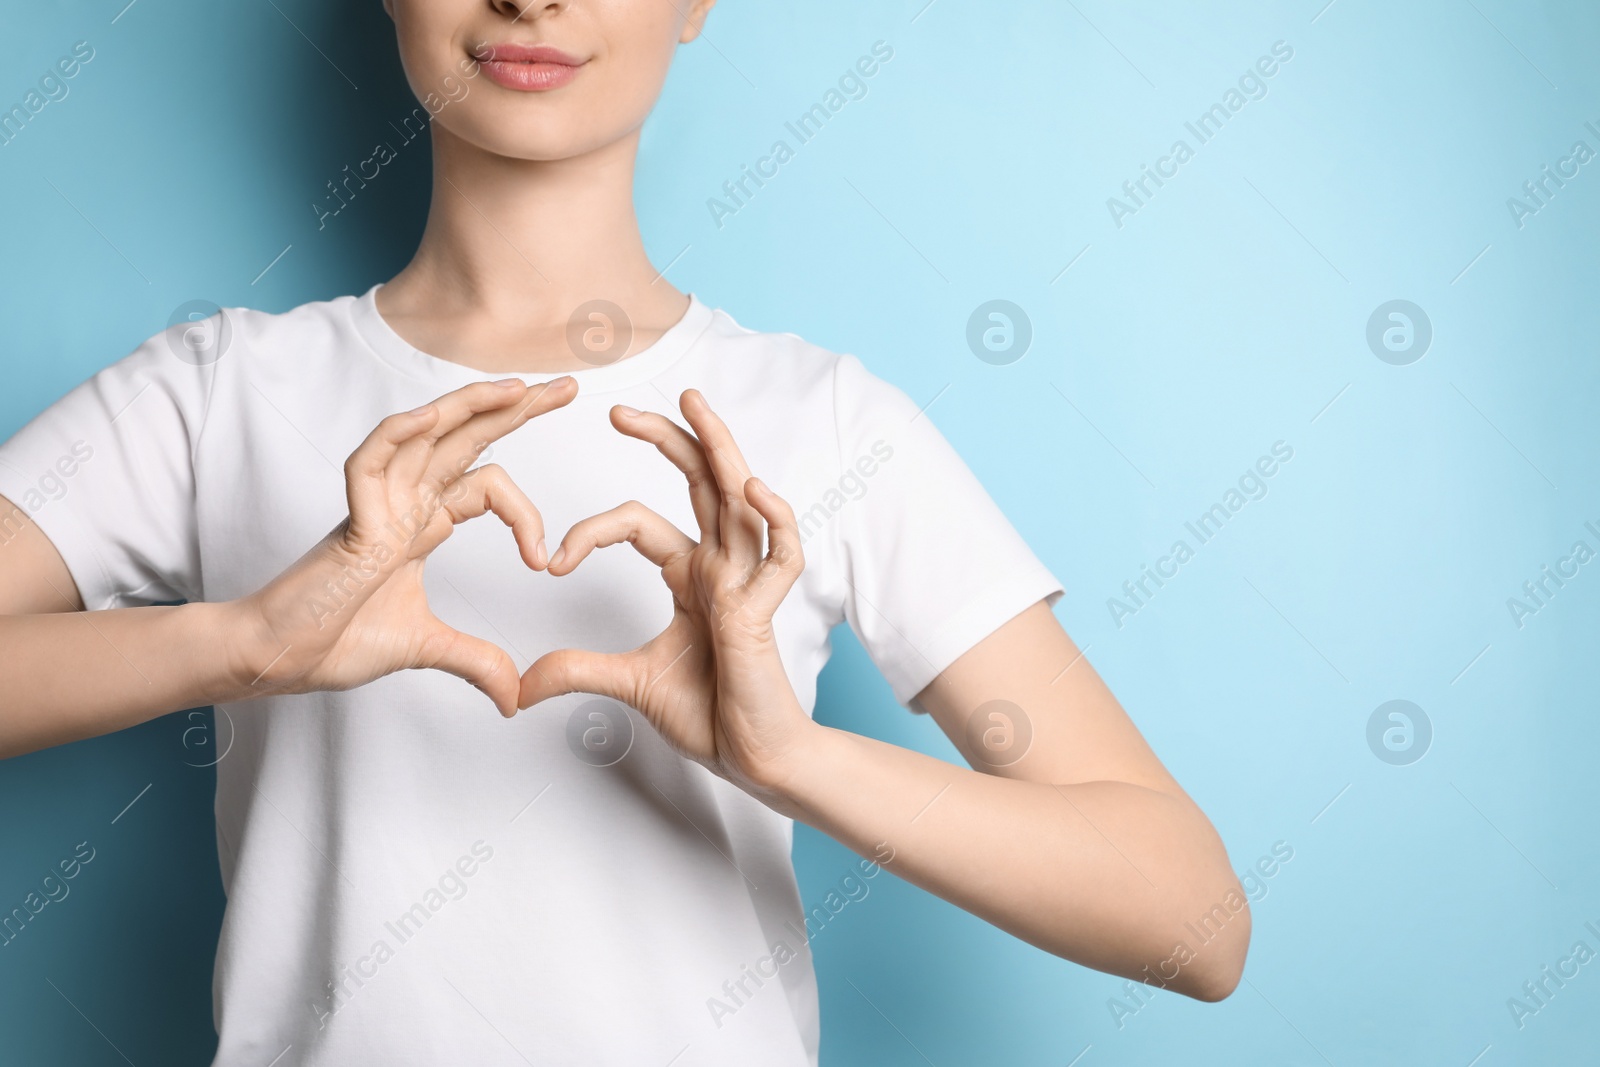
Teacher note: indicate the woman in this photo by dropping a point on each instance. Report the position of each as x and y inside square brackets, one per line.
[412, 881]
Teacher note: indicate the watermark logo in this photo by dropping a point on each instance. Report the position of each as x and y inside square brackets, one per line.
[205, 336]
[1204, 930]
[1399, 733]
[851, 486]
[1399, 332]
[1252, 85]
[737, 193]
[53, 483]
[347, 979]
[600, 732]
[999, 733]
[1540, 190]
[205, 742]
[999, 332]
[599, 332]
[1538, 592]
[1251, 486]
[52, 889]
[852, 888]
[1538, 992]
[52, 88]
[411, 128]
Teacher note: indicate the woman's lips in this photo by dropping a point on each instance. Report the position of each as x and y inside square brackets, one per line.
[527, 68]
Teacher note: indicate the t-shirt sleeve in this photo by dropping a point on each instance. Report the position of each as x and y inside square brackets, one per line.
[932, 565]
[107, 472]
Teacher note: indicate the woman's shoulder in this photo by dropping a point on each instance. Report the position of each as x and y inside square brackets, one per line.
[322, 341]
[785, 360]
[299, 328]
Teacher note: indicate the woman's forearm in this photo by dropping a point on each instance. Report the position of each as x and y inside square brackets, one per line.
[1115, 876]
[77, 674]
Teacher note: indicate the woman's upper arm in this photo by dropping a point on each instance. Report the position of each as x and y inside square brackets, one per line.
[1024, 703]
[34, 579]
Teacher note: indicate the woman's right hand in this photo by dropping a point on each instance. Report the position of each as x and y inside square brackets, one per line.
[353, 608]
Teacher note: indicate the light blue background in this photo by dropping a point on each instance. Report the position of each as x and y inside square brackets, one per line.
[1224, 316]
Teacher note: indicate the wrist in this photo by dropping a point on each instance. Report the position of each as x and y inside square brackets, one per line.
[783, 782]
[250, 647]
[275, 633]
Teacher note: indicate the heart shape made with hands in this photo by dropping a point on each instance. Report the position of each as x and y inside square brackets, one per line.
[711, 683]
[408, 485]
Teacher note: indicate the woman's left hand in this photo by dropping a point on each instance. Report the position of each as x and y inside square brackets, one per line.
[711, 683]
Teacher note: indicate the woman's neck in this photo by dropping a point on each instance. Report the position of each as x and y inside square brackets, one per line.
[513, 249]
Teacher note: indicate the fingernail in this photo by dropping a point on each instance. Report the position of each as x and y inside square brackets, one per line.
[540, 555]
[555, 560]
[761, 485]
[423, 410]
[509, 383]
[629, 412]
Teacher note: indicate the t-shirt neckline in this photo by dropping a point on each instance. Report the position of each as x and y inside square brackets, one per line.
[447, 374]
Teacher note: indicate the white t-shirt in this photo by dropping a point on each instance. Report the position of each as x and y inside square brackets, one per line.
[412, 879]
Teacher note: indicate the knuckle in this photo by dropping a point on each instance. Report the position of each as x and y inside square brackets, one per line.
[703, 578]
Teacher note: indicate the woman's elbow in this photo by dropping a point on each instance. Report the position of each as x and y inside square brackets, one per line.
[1217, 967]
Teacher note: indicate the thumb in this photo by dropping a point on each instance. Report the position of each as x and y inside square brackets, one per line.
[574, 670]
[483, 664]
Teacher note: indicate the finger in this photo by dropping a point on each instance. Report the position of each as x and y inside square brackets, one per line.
[784, 560]
[685, 453]
[741, 524]
[373, 454]
[454, 408]
[490, 488]
[485, 665]
[657, 540]
[575, 670]
[365, 467]
[459, 449]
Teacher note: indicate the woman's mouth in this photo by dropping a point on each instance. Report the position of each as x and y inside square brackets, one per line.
[527, 68]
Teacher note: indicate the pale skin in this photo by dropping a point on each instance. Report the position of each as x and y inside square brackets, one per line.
[1085, 846]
